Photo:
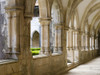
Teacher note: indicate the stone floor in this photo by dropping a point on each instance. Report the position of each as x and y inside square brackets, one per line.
[90, 68]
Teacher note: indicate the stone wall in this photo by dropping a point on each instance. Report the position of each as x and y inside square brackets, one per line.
[22, 62]
[50, 65]
[3, 30]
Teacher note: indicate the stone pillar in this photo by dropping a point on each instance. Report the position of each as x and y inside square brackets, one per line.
[45, 23]
[92, 38]
[42, 40]
[9, 32]
[96, 43]
[58, 39]
[69, 45]
[67, 42]
[79, 45]
[75, 45]
[75, 40]
[90, 44]
[82, 42]
[86, 42]
[13, 31]
[71, 39]
[16, 31]
[82, 56]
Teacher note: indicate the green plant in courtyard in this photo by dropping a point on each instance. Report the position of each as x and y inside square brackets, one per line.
[35, 51]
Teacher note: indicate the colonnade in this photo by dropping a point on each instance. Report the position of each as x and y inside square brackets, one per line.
[45, 37]
[80, 46]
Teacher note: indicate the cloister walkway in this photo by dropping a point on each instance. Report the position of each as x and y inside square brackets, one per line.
[90, 68]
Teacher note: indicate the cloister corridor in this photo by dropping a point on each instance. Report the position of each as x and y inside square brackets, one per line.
[49, 37]
[90, 68]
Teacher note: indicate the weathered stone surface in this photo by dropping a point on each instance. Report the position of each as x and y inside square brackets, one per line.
[3, 30]
[90, 68]
[68, 35]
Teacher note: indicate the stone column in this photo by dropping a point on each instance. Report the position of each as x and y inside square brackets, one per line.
[75, 40]
[82, 56]
[79, 44]
[67, 42]
[13, 32]
[9, 38]
[86, 42]
[45, 23]
[90, 42]
[82, 42]
[16, 31]
[71, 39]
[96, 43]
[42, 40]
[58, 39]
[75, 45]
[92, 39]
[69, 45]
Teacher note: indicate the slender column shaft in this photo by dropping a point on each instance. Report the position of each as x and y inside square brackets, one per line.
[92, 42]
[86, 43]
[56, 41]
[45, 39]
[59, 39]
[67, 41]
[75, 39]
[9, 32]
[42, 39]
[82, 42]
[16, 31]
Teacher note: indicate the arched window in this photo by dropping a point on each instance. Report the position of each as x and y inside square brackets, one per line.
[36, 40]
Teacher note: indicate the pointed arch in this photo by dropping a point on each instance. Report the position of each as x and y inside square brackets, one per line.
[36, 39]
[90, 11]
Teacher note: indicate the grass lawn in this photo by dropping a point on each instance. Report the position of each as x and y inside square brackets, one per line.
[35, 51]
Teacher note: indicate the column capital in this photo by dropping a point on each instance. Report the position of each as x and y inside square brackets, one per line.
[91, 35]
[69, 28]
[45, 21]
[76, 30]
[58, 27]
[14, 7]
[82, 33]
[13, 13]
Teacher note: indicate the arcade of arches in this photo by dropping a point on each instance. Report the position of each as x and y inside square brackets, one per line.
[70, 36]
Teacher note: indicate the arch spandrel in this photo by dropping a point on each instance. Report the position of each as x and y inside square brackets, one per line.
[44, 8]
[29, 7]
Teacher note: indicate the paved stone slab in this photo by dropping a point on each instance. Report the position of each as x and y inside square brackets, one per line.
[90, 68]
